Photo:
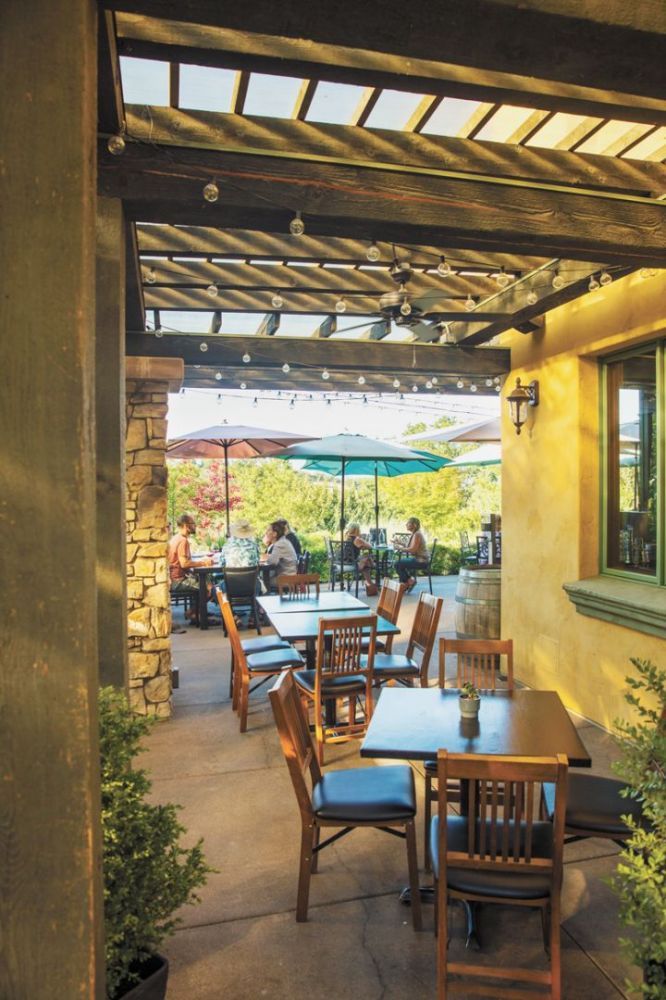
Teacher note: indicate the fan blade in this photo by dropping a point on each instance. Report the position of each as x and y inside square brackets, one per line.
[426, 333]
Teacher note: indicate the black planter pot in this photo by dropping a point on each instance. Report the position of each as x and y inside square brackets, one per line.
[154, 973]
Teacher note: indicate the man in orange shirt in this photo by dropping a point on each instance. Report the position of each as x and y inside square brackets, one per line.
[180, 560]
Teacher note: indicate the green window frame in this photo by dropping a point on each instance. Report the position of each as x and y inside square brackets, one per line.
[633, 466]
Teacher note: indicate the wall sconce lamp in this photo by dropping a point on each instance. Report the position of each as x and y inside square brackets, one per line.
[518, 400]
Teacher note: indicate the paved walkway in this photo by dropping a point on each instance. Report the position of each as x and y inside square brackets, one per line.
[242, 940]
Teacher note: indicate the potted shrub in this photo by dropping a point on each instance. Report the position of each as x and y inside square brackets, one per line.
[147, 874]
[640, 880]
[470, 701]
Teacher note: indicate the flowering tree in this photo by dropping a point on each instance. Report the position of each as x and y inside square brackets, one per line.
[210, 502]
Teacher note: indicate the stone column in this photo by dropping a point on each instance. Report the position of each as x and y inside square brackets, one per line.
[149, 614]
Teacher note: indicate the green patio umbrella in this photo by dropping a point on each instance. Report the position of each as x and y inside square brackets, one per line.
[356, 455]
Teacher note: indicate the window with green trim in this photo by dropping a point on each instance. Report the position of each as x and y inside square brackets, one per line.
[633, 464]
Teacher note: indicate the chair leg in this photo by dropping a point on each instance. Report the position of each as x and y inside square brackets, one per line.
[413, 865]
[442, 941]
[255, 608]
[231, 676]
[314, 867]
[304, 872]
[427, 819]
[555, 960]
[243, 700]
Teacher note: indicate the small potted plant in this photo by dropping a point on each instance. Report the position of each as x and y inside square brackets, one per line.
[147, 874]
[470, 701]
[640, 879]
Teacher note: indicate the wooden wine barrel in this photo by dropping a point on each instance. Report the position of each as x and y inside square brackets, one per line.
[478, 603]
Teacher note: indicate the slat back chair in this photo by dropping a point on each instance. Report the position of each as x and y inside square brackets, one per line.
[345, 799]
[477, 664]
[343, 669]
[242, 672]
[405, 668]
[388, 606]
[298, 585]
[472, 853]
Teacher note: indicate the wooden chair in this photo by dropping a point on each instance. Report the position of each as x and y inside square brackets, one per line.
[381, 797]
[404, 667]
[303, 565]
[298, 585]
[257, 665]
[342, 671]
[257, 644]
[426, 569]
[485, 858]
[388, 606]
[241, 590]
[478, 664]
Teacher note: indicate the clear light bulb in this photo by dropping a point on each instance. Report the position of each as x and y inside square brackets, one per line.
[469, 303]
[325, 375]
[498, 388]
[361, 380]
[373, 253]
[405, 308]
[218, 376]
[151, 277]
[203, 346]
[277, 301]
[472, 387]
[341, 305]
[593, 285]
[116, 145]
[286, 368]
[428, 384]
[502, 279]
[443, 268]
[246, 358]
[415, 388]
[434, 380]
[159, 332]
[297, 226]
[211, 192]
[605, 278]
[532, 298]
[212, 291]
[243, 385]
[460, 384]
[558, 281]
[396, 383]
[489, 382]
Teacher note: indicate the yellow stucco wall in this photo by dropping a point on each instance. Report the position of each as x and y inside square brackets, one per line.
[550, 499]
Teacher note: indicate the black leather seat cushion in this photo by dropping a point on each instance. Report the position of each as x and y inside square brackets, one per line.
[376, 794]
[340, 686]
[395, 663]
[262, 643]
[594, 803]
[274, 659]
[504, 884]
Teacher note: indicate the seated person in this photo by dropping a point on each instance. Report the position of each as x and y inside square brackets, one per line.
[414, 553]
[280, 559]
[240, 550]
[290, 535]
[356, 549]
[179, 558]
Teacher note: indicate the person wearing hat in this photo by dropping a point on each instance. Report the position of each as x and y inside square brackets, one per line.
[240, 550]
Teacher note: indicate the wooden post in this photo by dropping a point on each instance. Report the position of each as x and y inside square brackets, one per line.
[51, 911]
[110, 433]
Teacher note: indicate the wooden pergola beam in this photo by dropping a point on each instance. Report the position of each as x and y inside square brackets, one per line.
[373, 148]
[533, 58]
[484, 214]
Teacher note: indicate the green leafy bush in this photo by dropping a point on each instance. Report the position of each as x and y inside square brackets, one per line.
[640, 880]
[147, 874]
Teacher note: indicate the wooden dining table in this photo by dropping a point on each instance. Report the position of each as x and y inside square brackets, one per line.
[327, 600]
[303, 626]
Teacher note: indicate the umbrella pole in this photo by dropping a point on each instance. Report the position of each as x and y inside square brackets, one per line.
[342, 526]
[376, 506]
[226, 486]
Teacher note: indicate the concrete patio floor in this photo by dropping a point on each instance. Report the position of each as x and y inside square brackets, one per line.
[242, 940]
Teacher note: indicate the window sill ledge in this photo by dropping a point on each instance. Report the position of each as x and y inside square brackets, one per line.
[639, 606]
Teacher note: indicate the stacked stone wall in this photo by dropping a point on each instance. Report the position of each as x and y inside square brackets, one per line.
[149, 610]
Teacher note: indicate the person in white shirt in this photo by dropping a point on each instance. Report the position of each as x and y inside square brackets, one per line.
[280, 559]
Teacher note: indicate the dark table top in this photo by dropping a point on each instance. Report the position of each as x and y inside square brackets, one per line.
[336, 600]
[305, 624]
[414, 723]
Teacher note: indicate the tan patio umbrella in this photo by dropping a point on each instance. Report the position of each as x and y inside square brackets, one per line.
[480, 430]
[231, 441]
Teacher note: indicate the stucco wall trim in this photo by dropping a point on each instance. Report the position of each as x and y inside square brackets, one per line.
[637, 606]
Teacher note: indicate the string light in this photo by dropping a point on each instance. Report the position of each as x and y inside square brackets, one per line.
[243, 385]
[532, 297]
[286, 368]
[501, 278]
[361, 380]
[373, 253]
[434, 380]
[396, 383]
[415, 388]
[246, 358]
[593, 285]
[159, 332]
[558, 281]
[489, 382]
[116, 144]
[473, 387]
[325, 375]
[428, 384]
[460, 384]
[212, 291]
[218, 376]
[211, 192]
[605, 278]
[498, 388]
[470, 303]
[297, 226]
[443, 268]
[203, 346]
[277, 301]
[341, 305]
[151, 277]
